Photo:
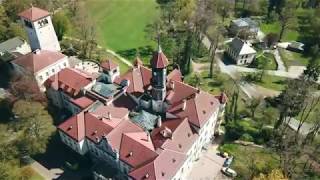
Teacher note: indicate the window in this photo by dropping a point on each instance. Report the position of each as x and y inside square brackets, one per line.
[64, 64]
[47, 73]
[28, 24]
[43, 22]
[40, 77]
[53, 70]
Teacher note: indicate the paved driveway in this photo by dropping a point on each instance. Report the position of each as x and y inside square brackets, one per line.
[208, 166]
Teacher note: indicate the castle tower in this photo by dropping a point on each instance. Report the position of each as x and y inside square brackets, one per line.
[159, 63]
[39, 27]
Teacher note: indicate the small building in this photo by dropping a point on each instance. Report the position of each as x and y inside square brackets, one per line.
[244, 25]
[241, 52]
[41, 64]
[296, 46]
[14, 46]
[111, 69]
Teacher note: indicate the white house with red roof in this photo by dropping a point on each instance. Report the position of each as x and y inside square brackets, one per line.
[45, 59]
[41, 64]
[146, 124]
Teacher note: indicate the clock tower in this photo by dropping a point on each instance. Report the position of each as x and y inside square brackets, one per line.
[159, 63]
[40, 30]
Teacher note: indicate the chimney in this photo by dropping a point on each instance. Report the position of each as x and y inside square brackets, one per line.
[198, 90]
[97, 139]
[37, 51]
[159, 121]
[184, 106]
[148, 137]
[166, 133]
[109, 115]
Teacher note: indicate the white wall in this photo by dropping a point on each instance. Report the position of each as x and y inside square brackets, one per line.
[44, 74]
[43, 37]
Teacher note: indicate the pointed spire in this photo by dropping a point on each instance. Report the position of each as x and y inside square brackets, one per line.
[159, 46]
[159, 60]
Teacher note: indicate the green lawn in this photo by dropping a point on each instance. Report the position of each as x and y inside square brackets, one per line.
[292, 58]
[268, 81]
[246, 158]
[265, 57]
[121, 23]
[273, 82]
[289, 35]
[213, 85]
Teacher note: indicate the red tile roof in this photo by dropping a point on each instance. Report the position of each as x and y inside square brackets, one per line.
[137, 62]
[126, 126]
[36, 61]
[82, 102]
[95, 129]
[182, 138]
[140, 79]
[110, 115]
[222, 98]
[159, 60]
[136, 149]
[198, 109]
[175, 75]
[70, 81]
[34, 14]
[108, 65]
[74, 127]
[164, 166]
[179, 92]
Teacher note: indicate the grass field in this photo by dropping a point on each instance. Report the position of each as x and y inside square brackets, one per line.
[246, 158]
[121, 23]
[289, 35]
[293, 59]
[265, 57]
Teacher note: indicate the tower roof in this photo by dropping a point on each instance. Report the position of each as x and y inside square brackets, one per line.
[159, 60]
[34, 14]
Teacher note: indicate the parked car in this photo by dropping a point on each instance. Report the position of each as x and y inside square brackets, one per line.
[229, 172]
[228, 161]
[223, 154]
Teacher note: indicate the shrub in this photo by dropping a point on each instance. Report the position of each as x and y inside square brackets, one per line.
[266, 134]
[246, 137]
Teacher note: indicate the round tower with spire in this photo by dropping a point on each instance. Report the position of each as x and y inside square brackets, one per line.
[159, 63]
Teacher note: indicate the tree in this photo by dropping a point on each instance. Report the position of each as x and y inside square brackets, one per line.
[14, 7]
[290, 101]
[215, 34]
[61, 24]
[86, 32]
[253, 105]
[270, 39]
[275, 174]
[224, 9]
[35, 124]
[287, 18]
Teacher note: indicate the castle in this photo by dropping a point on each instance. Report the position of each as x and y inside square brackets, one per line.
[145, 124]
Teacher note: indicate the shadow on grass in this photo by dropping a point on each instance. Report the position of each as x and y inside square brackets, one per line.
[279, 82]
[58, 155]
[227, 60]
[144, 52]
